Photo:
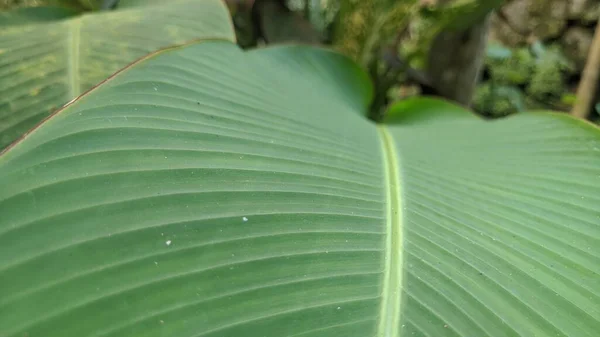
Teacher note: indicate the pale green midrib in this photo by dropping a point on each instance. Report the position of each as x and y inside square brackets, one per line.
[73, 57]
[391, 296]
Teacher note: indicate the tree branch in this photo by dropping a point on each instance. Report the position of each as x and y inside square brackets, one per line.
[455, 61]
[394, 66]
[589, 80]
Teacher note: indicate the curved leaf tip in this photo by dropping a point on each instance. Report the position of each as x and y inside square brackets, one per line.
[347, 75]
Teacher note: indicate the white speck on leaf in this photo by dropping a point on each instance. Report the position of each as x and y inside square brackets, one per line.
[244, 219]
[338, 308]
[156, 263]
[168, 242]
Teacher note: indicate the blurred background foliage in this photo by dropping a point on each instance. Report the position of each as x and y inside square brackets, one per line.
[81, 5]
[534, 58]
[534, 54]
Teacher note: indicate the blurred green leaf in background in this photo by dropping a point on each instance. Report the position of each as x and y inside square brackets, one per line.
[47, 64]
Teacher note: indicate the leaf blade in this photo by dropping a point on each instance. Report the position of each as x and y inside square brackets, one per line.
[284, 191]
[47, 65]
[133, 201]
[485, 202]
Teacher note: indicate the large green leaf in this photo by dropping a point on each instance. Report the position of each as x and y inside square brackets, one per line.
[43, 66]
[207, 191]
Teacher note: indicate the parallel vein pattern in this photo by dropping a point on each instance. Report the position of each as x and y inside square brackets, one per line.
[196, 205]
[502, 227]
[211, 192]
[43, 66]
